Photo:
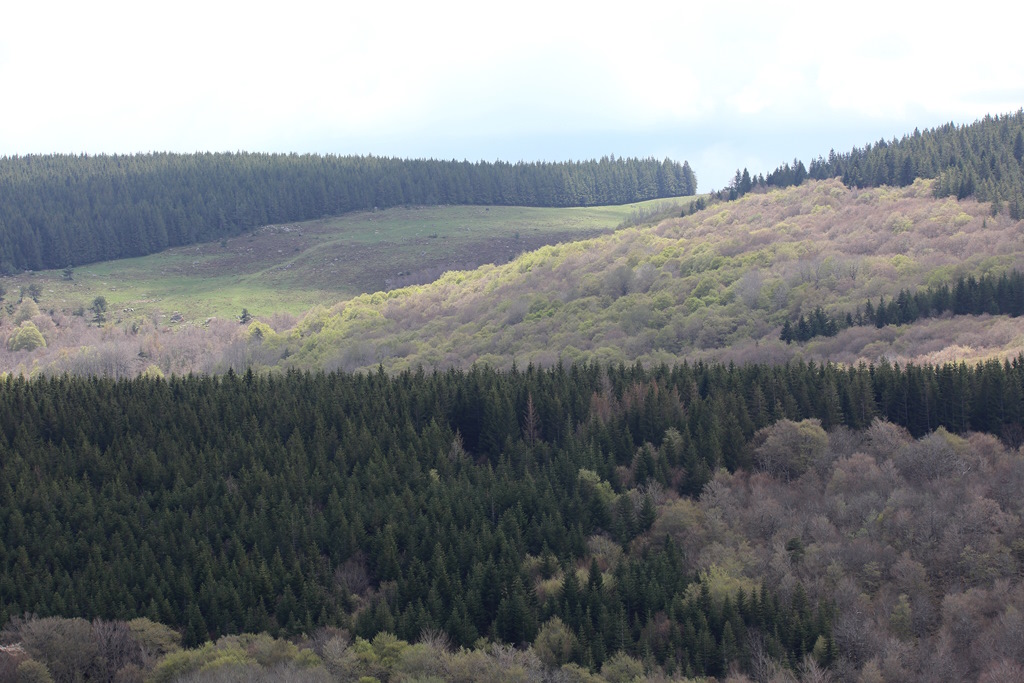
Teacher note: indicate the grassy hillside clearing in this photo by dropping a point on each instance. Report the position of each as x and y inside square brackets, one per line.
[290, 268]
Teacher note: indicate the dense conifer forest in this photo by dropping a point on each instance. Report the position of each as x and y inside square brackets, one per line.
[477, 504]
[63, 210]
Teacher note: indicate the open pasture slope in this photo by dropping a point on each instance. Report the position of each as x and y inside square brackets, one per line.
[292, 267]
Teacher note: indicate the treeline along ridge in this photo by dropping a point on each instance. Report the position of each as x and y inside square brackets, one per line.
[984, 160]
[61, 210]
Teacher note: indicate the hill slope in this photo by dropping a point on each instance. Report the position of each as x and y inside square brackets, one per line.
[274, 273]
[718, 283]
[293, 266]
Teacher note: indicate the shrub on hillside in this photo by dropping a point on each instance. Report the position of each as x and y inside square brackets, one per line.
[26, 338]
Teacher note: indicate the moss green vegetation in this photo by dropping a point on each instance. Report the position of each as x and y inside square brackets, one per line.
[721, 281]
[26, 338]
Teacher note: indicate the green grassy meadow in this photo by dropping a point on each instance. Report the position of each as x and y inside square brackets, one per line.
[290, 268]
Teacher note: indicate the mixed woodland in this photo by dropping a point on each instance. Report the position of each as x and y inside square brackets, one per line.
[697, 520]
[773, 434]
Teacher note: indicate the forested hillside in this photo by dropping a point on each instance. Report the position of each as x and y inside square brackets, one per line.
[984, 160]
[65, 210]
[719, 283]
[554, 507]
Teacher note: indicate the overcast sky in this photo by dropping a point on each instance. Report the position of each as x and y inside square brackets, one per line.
[722, 87]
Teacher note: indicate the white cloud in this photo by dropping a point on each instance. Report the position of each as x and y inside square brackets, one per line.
[474, 78]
